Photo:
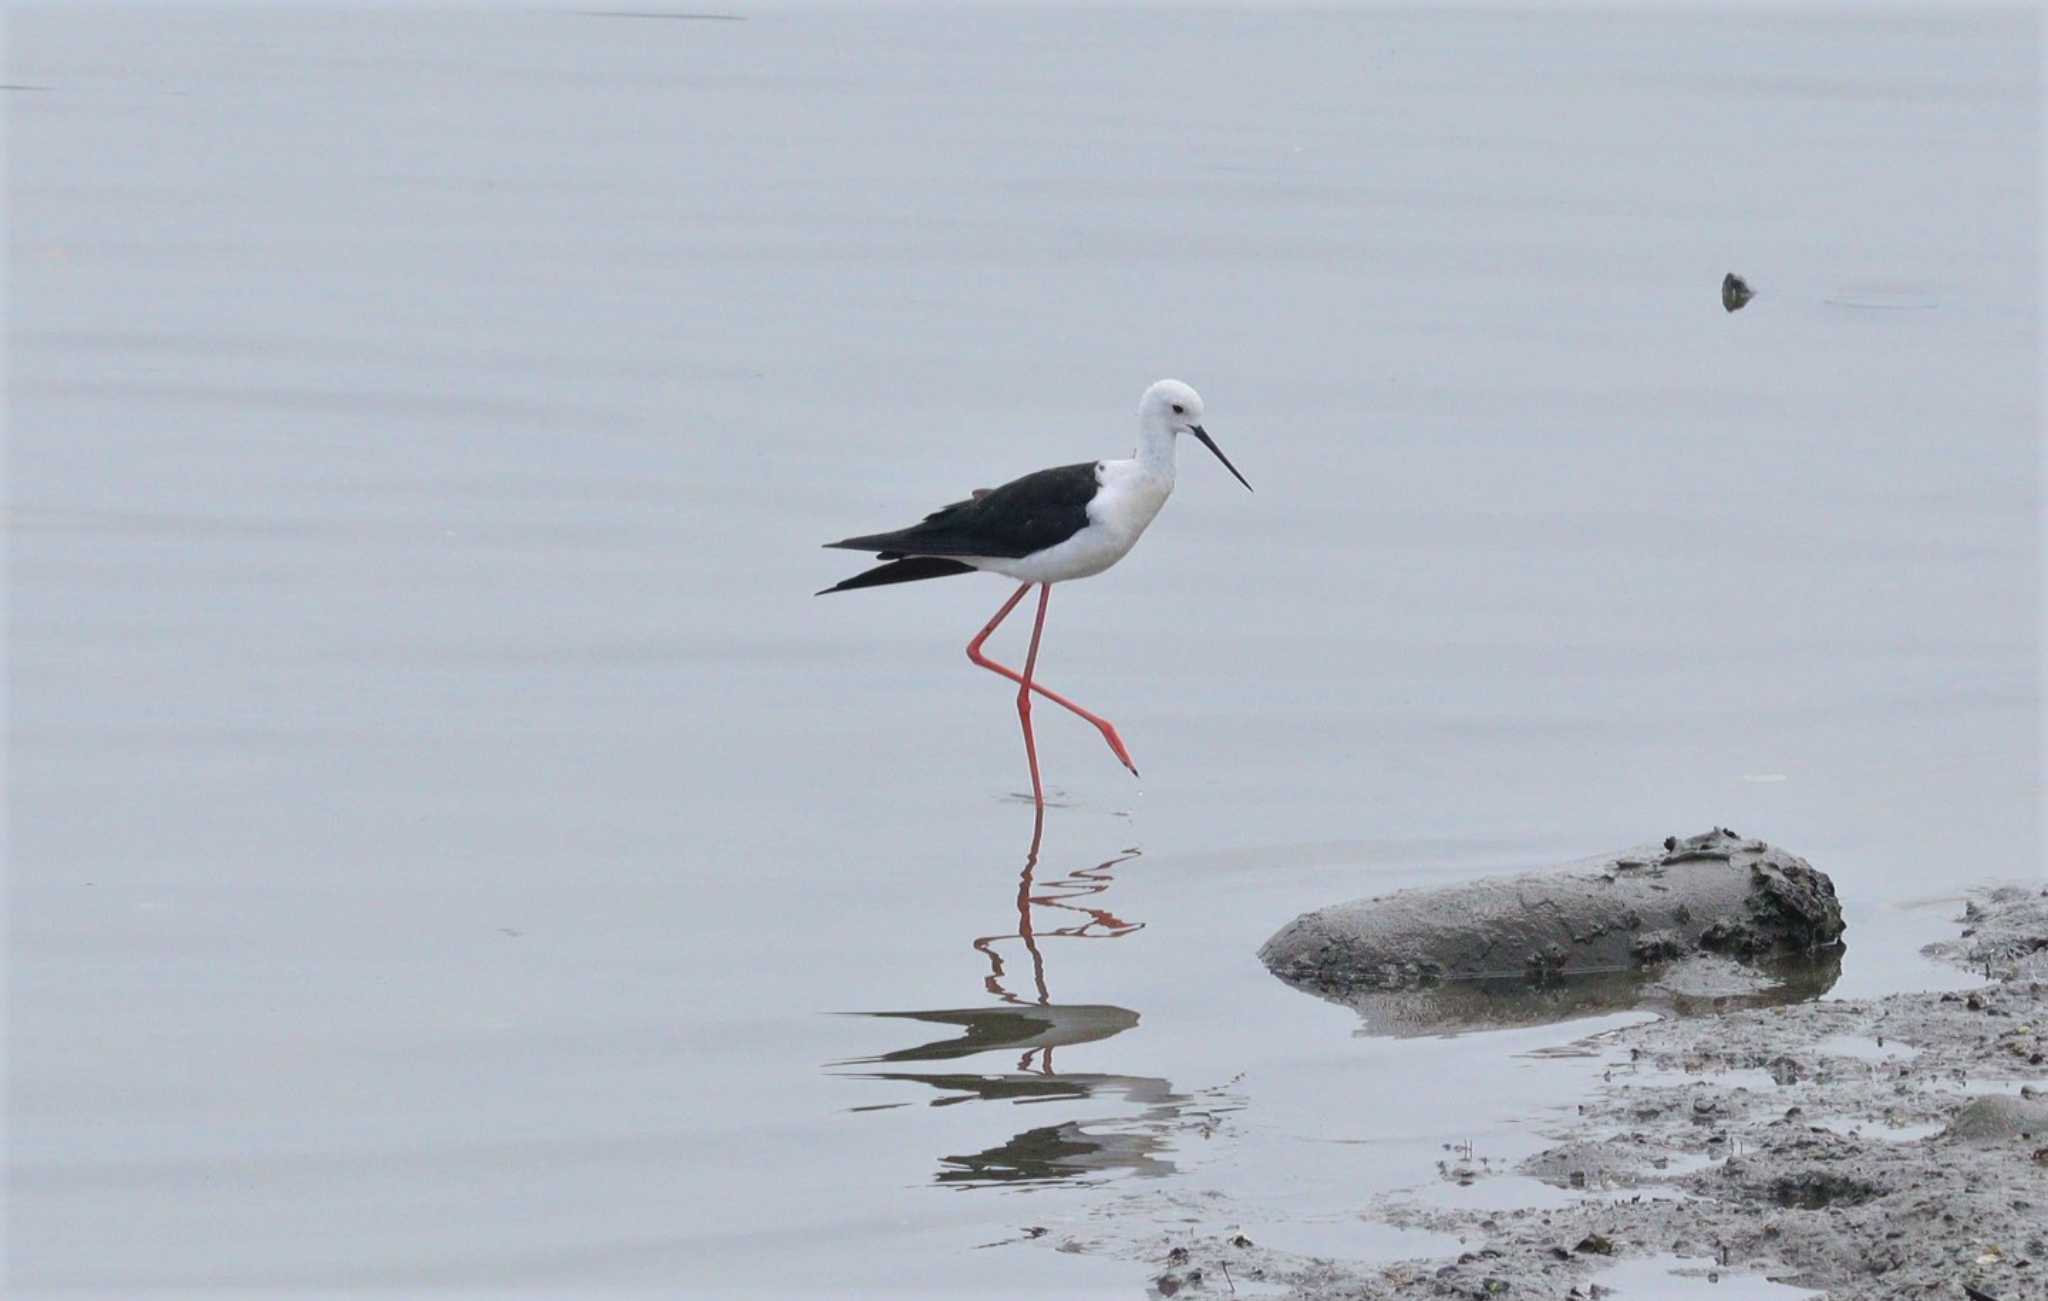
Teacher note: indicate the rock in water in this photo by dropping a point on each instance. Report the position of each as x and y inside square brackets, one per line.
[1613, 923]
[1735, 292]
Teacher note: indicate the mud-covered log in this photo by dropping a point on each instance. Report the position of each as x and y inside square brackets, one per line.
[1636, 911]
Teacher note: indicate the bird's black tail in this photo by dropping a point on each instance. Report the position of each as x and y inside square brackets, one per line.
[907, 570]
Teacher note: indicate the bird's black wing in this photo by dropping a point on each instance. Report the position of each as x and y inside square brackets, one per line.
[1024, 515]
[900, 570]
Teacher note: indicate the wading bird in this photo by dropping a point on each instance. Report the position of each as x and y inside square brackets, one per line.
[1070, 522]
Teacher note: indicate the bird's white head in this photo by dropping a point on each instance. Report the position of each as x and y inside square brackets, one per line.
[1171, 404]
[1170, 408]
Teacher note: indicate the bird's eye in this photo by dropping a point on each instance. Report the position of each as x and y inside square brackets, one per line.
[1179, 410]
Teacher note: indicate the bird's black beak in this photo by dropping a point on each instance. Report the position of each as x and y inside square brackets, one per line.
[1210, 443]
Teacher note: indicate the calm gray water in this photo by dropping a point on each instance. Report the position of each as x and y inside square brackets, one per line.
[446, 831]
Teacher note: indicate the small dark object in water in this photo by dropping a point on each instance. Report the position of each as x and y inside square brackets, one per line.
[1735, 292]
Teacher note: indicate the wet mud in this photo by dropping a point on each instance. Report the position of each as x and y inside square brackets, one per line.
[1858, 1149]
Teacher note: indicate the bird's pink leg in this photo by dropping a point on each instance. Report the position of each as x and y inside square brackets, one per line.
[974, 647]
[1024, 692]
[1102, 725]
[1024, 695]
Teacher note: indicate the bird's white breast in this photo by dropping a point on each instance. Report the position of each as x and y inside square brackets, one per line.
[1130, 498]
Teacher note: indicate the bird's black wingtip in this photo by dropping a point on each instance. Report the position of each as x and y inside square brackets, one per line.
[897, 568]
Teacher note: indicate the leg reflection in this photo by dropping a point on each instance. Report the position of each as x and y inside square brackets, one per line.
[1026, 1025]
[1062, 894]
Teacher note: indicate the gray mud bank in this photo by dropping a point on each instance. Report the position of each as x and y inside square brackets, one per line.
[1715, 916]
[1885, 1148]
[1864, 1150]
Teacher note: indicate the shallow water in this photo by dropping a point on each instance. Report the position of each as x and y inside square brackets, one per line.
[1675, 1278]
[452, 849]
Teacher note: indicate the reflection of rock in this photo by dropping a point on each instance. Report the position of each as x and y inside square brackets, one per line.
[1690, 987]
[1698, 924]
[1012, 1025]
[1708, 984]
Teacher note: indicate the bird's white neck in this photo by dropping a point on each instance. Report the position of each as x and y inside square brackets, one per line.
[1155, 448]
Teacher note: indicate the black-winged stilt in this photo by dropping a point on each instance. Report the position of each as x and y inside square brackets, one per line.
[1070, 522]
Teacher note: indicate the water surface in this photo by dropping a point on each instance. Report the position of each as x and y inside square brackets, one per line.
[452, 849]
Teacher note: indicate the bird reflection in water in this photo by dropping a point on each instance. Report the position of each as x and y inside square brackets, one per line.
[1032, 1025]
[1067, 894]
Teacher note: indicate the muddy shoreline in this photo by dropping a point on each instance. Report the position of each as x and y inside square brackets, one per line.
[1893, 1147]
